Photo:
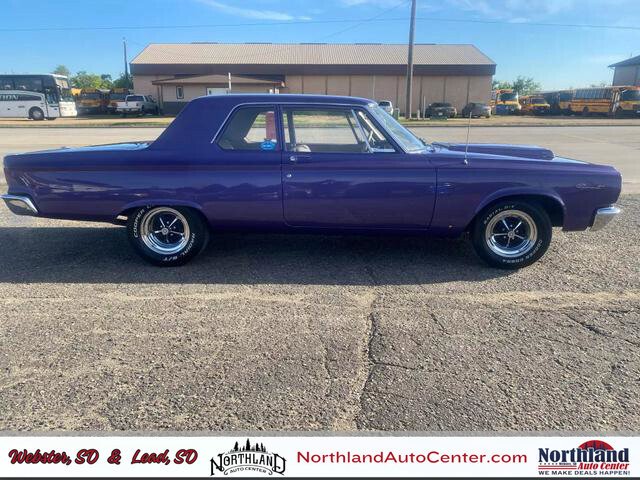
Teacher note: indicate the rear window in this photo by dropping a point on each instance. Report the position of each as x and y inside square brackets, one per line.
[384, 104]
[135, 98]
[250, 128]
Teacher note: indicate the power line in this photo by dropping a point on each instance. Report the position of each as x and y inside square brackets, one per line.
[366, 20]
[316, 22]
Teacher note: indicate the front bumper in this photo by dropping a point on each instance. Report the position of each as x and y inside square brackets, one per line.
[20, 205]
[603, 216]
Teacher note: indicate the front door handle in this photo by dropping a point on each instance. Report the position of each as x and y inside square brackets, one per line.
[299, 158]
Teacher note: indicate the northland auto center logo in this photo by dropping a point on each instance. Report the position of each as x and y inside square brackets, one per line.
[248, 458]
[593, 457]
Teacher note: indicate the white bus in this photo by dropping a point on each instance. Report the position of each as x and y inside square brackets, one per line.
[36, 97]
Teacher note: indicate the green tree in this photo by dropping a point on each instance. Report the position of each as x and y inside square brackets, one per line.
[500, 84]
[122, 82]
[62, 70]
[525, 85]
[521, 85]
[83, 79]
[106, 81]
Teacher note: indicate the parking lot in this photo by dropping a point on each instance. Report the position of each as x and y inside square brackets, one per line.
[275, 332]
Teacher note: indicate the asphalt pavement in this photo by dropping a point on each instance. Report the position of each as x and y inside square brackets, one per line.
[341, 333]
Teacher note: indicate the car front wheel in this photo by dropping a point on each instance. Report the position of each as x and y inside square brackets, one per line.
[167, 236]
[511, 234]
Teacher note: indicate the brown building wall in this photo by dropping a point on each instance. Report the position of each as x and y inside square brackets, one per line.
[458, 90]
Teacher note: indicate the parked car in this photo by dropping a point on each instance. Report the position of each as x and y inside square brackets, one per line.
[476, 109]
[387, 106]
[296, 163]
[444, 110]
[137, 104]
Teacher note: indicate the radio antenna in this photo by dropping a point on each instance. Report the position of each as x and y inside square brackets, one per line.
[466, 147]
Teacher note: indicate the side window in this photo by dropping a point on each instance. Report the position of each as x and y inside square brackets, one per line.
[376, 139]
[323, 131]
[6, 83]
[179, 92]
[250, 128]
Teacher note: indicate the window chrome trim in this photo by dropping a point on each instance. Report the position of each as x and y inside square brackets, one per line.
[307, 104]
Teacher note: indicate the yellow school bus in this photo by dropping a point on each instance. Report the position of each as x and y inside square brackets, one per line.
[534, 104]
[505, 101]
[559, 101]
[614, 101]
[93, 100]
[116, 95]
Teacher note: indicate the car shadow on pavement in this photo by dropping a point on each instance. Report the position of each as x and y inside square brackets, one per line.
[103, 255]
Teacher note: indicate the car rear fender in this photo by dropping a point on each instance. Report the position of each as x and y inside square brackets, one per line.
[127, 209]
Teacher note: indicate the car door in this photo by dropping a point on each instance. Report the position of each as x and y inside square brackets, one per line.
[339, 172]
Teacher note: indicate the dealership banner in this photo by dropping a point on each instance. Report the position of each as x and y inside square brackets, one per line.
[318, 456]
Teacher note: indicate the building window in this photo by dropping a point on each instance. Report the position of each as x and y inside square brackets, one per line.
[179, 93]
[250, 128]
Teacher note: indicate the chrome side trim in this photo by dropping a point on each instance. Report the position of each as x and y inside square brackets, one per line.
[20, 205]
[603, 216]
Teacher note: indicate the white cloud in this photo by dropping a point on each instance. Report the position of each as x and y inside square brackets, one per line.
[255, 13]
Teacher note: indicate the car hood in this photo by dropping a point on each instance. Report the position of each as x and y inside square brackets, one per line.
[524, 151]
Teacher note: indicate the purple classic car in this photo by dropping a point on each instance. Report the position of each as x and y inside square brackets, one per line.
[312, 163]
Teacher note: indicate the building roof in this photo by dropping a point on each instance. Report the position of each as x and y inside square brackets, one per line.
[627, 62]
[306, 58]
[215, 79]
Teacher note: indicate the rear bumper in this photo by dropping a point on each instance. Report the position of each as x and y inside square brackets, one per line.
[20, 205]
[603, 216]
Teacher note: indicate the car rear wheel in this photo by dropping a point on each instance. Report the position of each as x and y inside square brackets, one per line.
[511, 234]
[167, 236]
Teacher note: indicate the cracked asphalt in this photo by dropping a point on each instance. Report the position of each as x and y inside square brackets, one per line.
[341, 333]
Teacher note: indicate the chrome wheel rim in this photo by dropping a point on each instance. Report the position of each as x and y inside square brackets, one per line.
[511, 233]
[165, 230]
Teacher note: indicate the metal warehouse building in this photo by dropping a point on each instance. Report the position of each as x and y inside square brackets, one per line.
[177, 73]
[627, 72]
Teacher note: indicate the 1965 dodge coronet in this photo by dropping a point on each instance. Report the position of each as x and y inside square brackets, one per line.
[312, 163]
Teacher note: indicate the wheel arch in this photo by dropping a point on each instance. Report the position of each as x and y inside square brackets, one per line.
[123, 214]
[551, 203]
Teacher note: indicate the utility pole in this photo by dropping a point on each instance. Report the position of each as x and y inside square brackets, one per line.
[412, 28]
[126, 63]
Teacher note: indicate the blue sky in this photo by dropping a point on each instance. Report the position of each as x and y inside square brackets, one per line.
[557, 57]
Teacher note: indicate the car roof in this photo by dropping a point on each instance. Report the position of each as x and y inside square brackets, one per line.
[239, 98]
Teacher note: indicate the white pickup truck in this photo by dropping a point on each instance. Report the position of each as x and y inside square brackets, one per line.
[137, 104]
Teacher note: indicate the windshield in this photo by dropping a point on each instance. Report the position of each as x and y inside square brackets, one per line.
[407, 140]
[65, 94]
[91, 96]
[630, 95]
[538, 100]
[508, 97]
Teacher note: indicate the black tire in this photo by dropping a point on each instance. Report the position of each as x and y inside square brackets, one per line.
[36, 114]
[176, 251]
[534, 239]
